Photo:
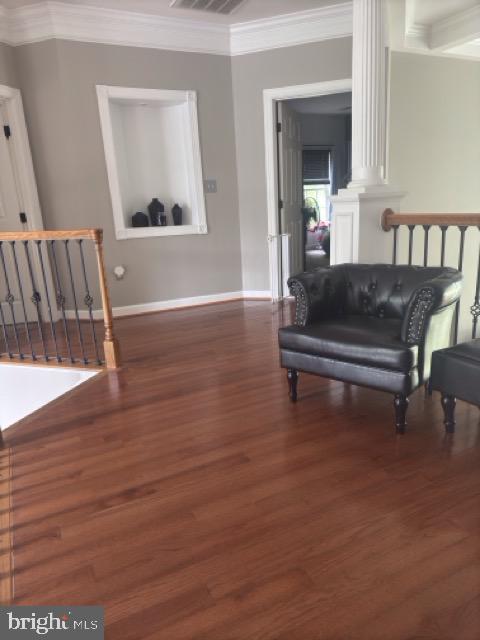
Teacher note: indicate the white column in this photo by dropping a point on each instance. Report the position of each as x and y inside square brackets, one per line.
[368, 93]
[357, 235]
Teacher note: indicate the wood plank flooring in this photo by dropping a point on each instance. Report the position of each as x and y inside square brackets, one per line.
[190, 498]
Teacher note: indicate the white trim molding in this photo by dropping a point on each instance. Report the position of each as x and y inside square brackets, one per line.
[26, 185]
[270, 98]
[170, 305]
[51, 19]
[11, 101]
[453, 35]
[460, 28]
[292, 29]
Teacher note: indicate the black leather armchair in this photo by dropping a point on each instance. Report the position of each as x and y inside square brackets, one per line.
[371, 325]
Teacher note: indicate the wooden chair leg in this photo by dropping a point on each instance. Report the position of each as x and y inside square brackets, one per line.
[448, 404]
[292, 376]
[401, 405]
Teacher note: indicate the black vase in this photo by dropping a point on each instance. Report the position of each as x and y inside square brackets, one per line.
[155, 210]
[177, 214]
[139, 219]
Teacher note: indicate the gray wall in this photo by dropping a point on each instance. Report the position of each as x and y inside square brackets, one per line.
[434, 154]
[434, 151]
[328, 60]
[331, 130]
[58, 81]
[8, 74]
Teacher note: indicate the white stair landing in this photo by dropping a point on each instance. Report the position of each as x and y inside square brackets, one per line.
[26, 388]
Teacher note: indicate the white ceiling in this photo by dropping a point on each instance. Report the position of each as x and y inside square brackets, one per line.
[250, 10]
[334, 104]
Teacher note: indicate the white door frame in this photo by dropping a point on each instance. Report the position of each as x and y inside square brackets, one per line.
[11, 100]
[24, 174]
[270, 98]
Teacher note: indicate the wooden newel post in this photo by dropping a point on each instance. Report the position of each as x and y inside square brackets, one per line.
[110, 344]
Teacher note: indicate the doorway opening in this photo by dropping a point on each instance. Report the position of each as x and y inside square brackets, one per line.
[314, 162]
[307, 154]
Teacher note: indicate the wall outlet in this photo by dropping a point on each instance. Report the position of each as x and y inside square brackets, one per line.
[210, 186]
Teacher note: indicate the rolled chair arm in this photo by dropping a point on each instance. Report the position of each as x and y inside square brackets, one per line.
[429, 298]
[318, 294]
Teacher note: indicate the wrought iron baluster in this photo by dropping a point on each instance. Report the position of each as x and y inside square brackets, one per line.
[395, 244]
[462, 230]
[5, 332]
[89, 302]
[61, 299]
[443, 229]
[426, 229]
[411, 228]
[475, 308]
[22, 299]
[36, 299]
[74, 295]
[47, 297]
[10, 299]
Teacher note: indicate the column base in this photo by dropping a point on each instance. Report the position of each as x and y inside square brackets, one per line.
[356, 232]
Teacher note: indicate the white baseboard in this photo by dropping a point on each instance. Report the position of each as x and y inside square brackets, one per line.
[176, 303]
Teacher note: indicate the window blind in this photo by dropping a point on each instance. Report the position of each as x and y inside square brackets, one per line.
[316, 166]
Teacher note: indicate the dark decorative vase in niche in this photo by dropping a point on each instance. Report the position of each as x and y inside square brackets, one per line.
[155, 210]
[139, 219]
[177, 214]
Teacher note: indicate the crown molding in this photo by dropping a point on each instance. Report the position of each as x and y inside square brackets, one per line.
[452, 36]
[49, 20]
[457, 29]
[58, 20]
[417, 36]
[289, 30]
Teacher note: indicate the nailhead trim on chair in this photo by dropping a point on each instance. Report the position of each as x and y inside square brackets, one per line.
[421, 306]
[301, 308]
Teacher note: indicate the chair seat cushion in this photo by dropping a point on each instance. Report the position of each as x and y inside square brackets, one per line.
[456, 371]
[361, 339]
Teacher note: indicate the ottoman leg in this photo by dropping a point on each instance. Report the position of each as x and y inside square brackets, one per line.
[292, 377]
[448, 404]
[401, 405]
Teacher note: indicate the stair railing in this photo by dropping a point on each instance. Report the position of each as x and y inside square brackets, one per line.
[452, 230]
[49, 281]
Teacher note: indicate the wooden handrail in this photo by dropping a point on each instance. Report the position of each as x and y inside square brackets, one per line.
[70, 234]
[391, 219]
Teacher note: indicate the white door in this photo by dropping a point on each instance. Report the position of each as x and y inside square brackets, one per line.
[16, 301]
[290, 192]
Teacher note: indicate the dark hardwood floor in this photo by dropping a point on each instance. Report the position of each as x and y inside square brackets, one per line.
[187, 495]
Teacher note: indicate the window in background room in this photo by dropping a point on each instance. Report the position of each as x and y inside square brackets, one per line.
[317, 173]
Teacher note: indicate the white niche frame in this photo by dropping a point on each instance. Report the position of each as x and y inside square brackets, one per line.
[186, 99]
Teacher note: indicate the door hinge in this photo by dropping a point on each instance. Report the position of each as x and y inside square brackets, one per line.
[279, 127]
[23, 217]
[280, 204]
[7, 131]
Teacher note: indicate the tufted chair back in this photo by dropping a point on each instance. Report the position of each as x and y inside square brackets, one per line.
[382, 290]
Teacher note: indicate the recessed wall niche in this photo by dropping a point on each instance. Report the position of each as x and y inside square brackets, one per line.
[152, 150]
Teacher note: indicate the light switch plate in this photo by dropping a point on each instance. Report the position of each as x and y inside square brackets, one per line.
[210, 186]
